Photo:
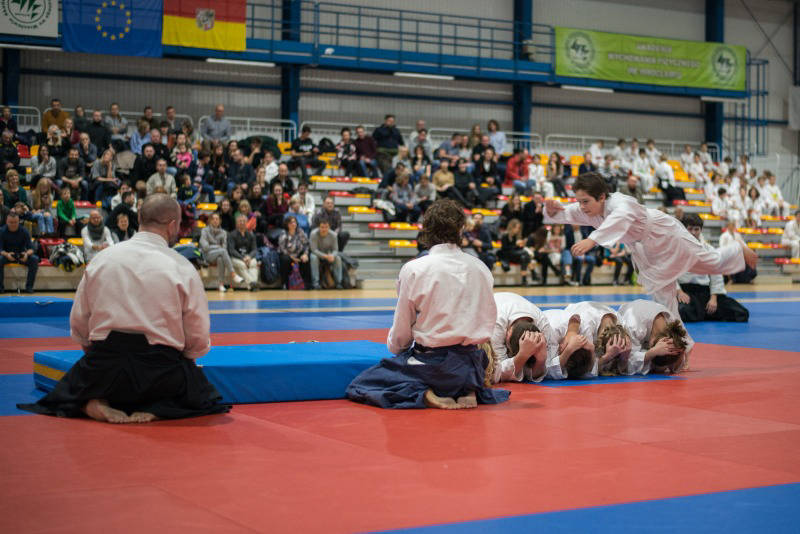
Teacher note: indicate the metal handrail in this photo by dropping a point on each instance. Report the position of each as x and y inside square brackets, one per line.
[243, 127]
[28, 117]
[580, 143]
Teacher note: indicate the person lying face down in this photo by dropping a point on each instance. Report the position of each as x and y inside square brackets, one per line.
[600, 325]
[576, 351]
[659, 341]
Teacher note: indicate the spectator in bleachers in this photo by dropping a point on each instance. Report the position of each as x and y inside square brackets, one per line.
[96, 236]
[175, 124]
[596, 151]
[54, 116]
[147, 115]
[70, 135]
[480, 148]
[368, 152]
[589, 164]
[276, 206]
[127, 206]
[240, 172]
[610, 171]
[81, 119]
[191, 134]
[773, 192]
[730, 235]
[104, 182]
[511, 210]
[620, 255]
[536, 172]
[42, 207]
[236, 195]
[720, 206]
[548, 248]
[16, 246]
[687, 158]
[8, 122]
[420, 163]
[496, 138]
[242, 251]
[57, 144]
[449, 149]
[583, 263]
[217, 128]
[203, 175]
[464, 150]
[426, 193]
[387, 140]
[230, 148]
[4, 210]
[419, 125]
[182, 155]
[219, 164]
[162, 179]
[117, 125]
[478, 241]
[328, 211]
[346, 153]
[214, 244]
[517, 172]
[123, 230]
[42, 165]
[225, 212]
[87, 150]
[270, 166]
[295, 211]
[294, 249]
[98, 133]
[444, 182]
[167, 138]
[653, 154]
[13, 192]
[705, 157]
[140, 136]
[633, 151]
[402, 156]
[257, 197]
[405, 200]
[512, 249]
[145, 165]
[305, 153]
[744, 168]
[256, 154]
[665, 179]
[726, 166]
[307, 204]
[475, 135]
[696, 171]
[555, 174]
[283, 179]
[619, 154]
[187, 195]
[66, 213]
[324, 248]
[641, 170]
[421, 140]
[465, 183]
[533, 214]
[791, 235]
[156, 141]
[9, 156]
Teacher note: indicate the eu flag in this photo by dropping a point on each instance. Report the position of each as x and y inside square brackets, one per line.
[119, 27]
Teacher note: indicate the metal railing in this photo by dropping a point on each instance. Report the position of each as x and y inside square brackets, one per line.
[577, 144]
[27, 117]
[243, 127]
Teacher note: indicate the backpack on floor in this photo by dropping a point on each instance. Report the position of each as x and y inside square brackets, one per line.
[295, 278]
[270, 264]
[66, 257]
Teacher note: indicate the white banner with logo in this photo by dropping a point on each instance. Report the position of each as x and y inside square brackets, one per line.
[37, 18]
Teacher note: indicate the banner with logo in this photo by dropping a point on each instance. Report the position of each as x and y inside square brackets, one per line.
[650, 60]
[213, 24]
[117, 27]
[29, 17]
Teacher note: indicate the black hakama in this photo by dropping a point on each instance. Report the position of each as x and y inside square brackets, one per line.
[132, 376]
[728, 309]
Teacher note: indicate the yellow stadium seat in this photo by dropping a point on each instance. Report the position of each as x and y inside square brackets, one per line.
[77, 241]
[34, 150]
[285, 147]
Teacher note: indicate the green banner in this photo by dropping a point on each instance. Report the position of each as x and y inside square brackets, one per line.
[650, 60]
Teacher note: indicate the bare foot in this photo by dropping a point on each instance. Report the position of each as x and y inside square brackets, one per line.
[750, 257]
[142, 417]
[99, 410]
[443, 403]
[468, 401]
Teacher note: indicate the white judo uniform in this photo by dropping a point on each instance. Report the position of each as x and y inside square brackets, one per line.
[637, 318]
[791, 237]
[511, 307]
[559, 321]
[661, 247]
[591, 314]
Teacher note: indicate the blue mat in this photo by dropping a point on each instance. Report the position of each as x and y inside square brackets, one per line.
[767, 509]
[24, 306]
[604, 380]
[17, 389]
[259, 373]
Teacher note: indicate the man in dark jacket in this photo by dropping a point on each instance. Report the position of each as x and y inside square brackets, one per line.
[388, 138]
[98, 133]
[16, 247]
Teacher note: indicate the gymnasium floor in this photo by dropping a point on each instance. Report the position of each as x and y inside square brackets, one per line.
[715, 450]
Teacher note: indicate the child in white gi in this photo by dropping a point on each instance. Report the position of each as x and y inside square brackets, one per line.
[576, 359]
[601, 327]
[659, 342]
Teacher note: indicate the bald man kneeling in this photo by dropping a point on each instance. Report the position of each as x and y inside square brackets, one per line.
[141, 316]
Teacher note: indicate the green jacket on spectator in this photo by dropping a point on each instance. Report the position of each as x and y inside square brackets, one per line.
[66, 210]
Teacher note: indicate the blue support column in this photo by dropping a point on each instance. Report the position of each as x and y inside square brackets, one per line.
[522, 98]
[715, 32]
[11, 76]
[290, 74]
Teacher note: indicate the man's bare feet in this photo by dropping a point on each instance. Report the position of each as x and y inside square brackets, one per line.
[432, 400]
[142, 417]
[99, 410]
[750, 257]
[468, 401]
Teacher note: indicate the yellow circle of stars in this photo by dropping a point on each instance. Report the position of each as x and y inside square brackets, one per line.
[106, 32]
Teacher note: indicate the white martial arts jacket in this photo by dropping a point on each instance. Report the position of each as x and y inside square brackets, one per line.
[687, 158]
[791, 232]
[142, 286]
[559, 321]
[591, 314]
[443, 299]
[511, 307]
[637, 318]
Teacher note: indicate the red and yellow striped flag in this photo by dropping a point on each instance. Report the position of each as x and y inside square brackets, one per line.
[214, 24]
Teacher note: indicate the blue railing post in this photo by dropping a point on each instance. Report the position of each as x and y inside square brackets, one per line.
[11, 76]
[522, 91]
[290, 74]
[715, 32]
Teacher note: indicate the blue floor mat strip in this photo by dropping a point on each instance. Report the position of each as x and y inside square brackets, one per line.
[602, 380]
[25, 306]
[769, 509]
[17, 389]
